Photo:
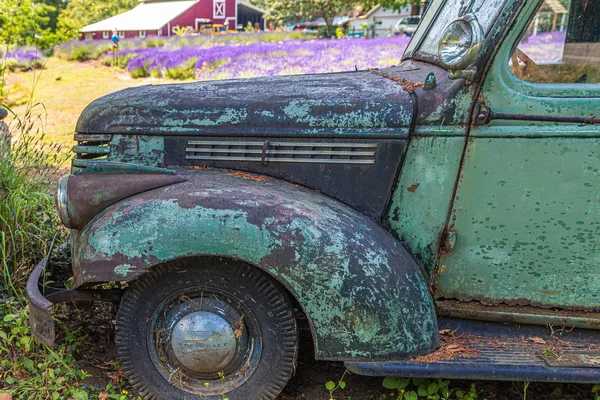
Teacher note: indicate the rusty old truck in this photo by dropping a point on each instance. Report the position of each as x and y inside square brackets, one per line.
[451, 201]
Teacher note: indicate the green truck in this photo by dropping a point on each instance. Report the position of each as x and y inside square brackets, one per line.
[450, 202]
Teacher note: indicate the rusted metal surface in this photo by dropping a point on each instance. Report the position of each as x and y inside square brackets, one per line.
[443, 110]
[41, 299]
[60, 295]
[330, 174]
[498, 351]
[518, 314]
[40, 320]
[423, 196]
[341, 101]
[138, 149]
[89, 193]
[361, 291]
[407, 85]
[107, 167]
[485, 115]
[526, 211]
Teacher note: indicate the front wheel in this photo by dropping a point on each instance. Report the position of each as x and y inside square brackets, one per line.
[208, 329]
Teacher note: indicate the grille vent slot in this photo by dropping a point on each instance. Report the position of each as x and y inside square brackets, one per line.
[90, 147]
[282, 152]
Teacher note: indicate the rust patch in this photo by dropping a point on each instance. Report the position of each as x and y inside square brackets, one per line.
[451, 347]
[448, 246]
[238, 328]
[246, 175]
[407, 85]
[414, 187]
[518, 314]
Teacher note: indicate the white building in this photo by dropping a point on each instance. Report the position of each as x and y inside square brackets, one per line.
[383, 18]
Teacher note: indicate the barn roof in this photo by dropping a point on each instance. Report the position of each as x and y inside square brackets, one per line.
[146, 16]
[252, 7]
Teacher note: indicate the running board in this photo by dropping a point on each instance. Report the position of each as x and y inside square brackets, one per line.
[494, 351]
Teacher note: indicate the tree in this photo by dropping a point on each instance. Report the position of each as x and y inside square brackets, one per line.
[398, 4]
[26, 22]
[296, 10]
[79, 13]
[58, 6]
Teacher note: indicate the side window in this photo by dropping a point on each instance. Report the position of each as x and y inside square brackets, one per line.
[561, 44]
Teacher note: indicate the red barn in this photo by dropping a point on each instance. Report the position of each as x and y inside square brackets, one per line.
[160, 17]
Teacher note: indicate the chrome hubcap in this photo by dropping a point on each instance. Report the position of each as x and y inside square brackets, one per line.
[203, 342]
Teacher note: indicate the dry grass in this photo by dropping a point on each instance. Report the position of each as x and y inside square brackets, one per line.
[66, 88]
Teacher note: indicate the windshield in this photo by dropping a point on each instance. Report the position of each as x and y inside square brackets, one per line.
[441, 13]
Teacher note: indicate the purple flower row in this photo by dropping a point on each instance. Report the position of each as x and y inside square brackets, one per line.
[273, 58]
[545, 47]
[25, 56]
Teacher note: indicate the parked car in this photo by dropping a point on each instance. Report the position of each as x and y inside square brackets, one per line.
[440, 218]
[407, 25]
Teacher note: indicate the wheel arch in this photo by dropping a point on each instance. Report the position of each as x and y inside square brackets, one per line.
[363, 294]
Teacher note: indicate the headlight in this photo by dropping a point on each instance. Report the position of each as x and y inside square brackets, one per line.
[62, 202]
[460, 42]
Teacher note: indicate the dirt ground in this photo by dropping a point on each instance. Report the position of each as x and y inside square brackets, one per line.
[98, 356]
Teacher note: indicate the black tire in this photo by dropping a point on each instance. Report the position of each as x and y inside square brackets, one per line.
[266, 341]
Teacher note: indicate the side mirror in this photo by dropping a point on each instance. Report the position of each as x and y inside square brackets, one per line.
[460, 42]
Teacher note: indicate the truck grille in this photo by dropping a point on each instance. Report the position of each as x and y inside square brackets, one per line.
[90, 147]
[282, 152]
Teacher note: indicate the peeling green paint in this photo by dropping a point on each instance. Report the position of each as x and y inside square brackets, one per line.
[527, 222]
[345, 101]
[137, 149]
[362, 292]
[422, 198]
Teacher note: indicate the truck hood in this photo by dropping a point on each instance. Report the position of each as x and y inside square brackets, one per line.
[350, 100]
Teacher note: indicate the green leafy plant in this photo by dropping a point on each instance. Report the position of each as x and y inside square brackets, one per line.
[525, 386]
[469, 395]
[431, 389]
[596, 392]
[28, 221]
[332, 386]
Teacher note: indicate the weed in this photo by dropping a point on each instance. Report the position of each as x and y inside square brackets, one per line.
[27, 218]
[33, 371]
[432, 389]
[596, 392]
[549, 352]
[525, 386]
[332, 386]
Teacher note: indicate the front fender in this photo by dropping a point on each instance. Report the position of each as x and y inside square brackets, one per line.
[364, 296]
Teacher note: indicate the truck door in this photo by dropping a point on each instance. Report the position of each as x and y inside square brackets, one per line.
[527, 208]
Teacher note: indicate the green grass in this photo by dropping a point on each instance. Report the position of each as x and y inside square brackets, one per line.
[66, 88]
[28, 224]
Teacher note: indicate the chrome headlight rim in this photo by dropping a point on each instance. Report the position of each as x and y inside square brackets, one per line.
[62, 201]
[472, 51]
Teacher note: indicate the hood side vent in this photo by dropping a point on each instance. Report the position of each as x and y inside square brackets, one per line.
[282, 152]
[90, 147]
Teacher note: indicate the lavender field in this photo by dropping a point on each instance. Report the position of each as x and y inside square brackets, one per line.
[254, 55]
[544, 48]
[23, 59]
[265, 58]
